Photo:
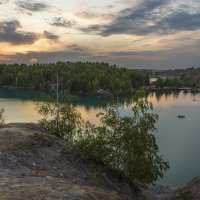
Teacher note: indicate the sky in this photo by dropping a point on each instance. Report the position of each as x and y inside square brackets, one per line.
[156, 34]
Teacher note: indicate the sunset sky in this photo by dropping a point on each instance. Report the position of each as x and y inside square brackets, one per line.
[160, 34]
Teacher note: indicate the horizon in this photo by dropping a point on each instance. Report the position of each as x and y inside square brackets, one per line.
[110, 65]
[138, 34]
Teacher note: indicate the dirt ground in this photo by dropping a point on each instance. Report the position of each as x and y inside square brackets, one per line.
[36, 165]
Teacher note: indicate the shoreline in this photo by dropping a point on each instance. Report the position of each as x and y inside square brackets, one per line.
[62, 92]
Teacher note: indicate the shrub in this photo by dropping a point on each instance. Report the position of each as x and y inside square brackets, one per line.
[61, 119]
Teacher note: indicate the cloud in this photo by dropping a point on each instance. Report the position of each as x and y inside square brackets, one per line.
[4, 1]
[95, 29]
[32, 6]
[110, 6]
[62, 22]
[139, 20]
[162, 59]
[50, 36]
[72, 52]
[10, 33]
[150, 17]
[47, 57]
[95, 15]
[133, 20]
[180, 21]
[76, 48]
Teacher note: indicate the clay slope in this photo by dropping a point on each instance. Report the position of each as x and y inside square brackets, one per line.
[37, 165]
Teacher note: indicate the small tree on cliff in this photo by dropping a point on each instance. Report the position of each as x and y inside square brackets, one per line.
[127, 144]
[62, 119]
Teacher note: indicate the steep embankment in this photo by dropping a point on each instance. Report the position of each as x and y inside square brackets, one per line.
[36, 165]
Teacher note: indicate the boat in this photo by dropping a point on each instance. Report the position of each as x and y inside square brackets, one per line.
[181, 116]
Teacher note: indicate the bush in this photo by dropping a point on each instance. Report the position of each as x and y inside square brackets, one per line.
[126, 144]
[61, 119]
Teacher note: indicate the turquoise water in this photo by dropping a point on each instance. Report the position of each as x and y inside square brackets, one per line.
[178, 139]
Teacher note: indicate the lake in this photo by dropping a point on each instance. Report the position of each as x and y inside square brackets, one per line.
[178, 139]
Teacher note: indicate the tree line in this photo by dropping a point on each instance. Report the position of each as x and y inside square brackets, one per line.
[86, 77]
[168, 82]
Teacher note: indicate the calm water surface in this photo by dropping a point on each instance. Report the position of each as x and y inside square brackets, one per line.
[178, 139]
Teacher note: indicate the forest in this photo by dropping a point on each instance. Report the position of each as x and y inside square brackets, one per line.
[77, 77]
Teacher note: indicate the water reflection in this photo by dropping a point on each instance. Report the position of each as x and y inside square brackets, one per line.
[17, 110]
[171, 98]
[90, 114]
[168, 93]
[21, 94]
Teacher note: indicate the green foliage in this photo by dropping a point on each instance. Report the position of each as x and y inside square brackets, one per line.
[73, 77]
[126, 144]
[191, 77]
[61, 119]
[1, 116]
[168, 82]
